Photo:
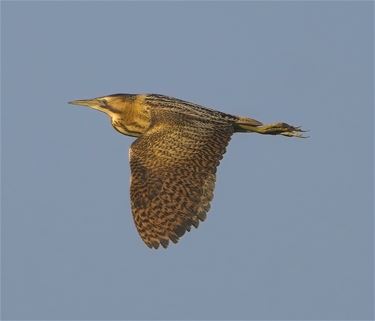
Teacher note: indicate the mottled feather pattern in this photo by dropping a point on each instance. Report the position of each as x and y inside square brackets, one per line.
[188, 108]
[173, 169]
[174, 159]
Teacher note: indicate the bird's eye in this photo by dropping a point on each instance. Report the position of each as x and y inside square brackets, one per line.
[103, 103]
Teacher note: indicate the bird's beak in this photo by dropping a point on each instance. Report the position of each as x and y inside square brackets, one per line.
[84, 102]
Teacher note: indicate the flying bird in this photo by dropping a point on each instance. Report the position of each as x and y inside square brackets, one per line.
[173, 161]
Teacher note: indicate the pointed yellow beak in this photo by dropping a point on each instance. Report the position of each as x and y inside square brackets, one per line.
[84, 102]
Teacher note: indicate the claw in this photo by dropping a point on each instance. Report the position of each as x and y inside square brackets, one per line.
[298, 129]
[295, 133]
[282, 129]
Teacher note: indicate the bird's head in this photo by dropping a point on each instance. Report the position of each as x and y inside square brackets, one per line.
[111, 105]
[126, 111]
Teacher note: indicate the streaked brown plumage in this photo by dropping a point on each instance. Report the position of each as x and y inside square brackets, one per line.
[174, 159]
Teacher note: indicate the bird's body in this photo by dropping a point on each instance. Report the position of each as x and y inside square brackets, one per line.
[174, 159]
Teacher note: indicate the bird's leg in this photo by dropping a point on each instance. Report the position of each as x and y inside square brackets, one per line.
[280, 129]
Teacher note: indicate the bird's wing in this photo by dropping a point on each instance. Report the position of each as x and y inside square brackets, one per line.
[173, 168]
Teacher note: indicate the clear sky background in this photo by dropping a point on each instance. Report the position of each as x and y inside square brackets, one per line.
[290, 231]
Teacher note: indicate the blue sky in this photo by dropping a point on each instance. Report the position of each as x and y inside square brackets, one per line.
[290, 231]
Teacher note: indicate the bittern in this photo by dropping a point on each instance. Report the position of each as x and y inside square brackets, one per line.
[173, 161]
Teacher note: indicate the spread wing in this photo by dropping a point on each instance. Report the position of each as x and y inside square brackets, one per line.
[173, 168]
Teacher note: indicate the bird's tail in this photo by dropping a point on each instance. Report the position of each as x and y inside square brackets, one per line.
[245, 124]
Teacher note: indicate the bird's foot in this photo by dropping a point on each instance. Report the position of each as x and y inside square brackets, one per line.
[281, 129]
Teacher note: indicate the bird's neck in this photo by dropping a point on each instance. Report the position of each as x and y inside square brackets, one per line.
[134, 121]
